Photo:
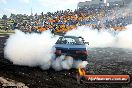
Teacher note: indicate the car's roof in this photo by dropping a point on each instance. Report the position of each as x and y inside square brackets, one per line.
[71, 36]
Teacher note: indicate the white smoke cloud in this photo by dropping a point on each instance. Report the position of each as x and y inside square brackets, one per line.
[95, 38]
[62, 62]
[30, 49]
[35, 50]
[105, 37]
[125, 38]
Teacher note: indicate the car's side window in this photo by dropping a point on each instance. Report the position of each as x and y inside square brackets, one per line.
[59, 41]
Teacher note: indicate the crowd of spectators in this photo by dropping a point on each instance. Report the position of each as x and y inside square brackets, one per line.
[97, 17]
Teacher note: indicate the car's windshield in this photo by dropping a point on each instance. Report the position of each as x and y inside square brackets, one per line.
[70, 40]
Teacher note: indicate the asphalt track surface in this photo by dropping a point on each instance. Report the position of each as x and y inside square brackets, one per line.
[101, 61]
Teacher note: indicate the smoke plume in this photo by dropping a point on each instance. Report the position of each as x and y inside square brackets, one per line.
[105, 37]
[37, 49]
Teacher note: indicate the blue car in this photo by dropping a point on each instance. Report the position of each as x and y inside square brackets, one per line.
[71, 46]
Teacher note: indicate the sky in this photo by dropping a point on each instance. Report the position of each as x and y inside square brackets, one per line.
[24, 6]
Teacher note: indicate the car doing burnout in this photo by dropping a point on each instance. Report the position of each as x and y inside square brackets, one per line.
[71, 46]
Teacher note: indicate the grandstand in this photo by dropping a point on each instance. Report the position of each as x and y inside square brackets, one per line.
[102, 2]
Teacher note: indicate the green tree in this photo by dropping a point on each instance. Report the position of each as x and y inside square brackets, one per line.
[12, 15]
[4, 17]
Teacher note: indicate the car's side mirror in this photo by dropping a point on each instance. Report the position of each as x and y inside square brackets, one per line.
[86, 43]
